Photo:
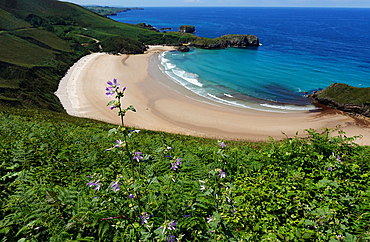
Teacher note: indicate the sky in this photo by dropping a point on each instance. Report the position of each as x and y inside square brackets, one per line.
[226, 3]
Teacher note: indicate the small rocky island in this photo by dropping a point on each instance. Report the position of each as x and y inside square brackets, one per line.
[352, 100]
[187, 29]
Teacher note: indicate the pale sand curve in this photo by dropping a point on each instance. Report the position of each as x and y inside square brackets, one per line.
[163, 105]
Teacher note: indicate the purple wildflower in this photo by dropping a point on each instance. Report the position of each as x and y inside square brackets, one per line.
[170, 238]
[172, 225]
[339, 159]
[209, 219]
[202, 187]
[222, 144]
[222, 174]
[131, 196]
[169, 148]
[137, 156]
[110, 92]
[174, 166]
[228, 199]
[96, 184]
[330, 169]
[90, 183]
[112, 107]
[119, 143]
[37, 228]
[187, 216]
[144, 219]
[97, 187]
[116, 186]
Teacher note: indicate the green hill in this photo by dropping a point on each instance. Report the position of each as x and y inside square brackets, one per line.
[41, 39]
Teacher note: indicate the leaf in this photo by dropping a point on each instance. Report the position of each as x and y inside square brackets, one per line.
[131, 108]
[350, 238]
[69, 225]
[111, 131]
[111, 102]
[51, 197]
[5, 230]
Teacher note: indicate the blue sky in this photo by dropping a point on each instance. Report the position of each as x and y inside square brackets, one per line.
[230, 3]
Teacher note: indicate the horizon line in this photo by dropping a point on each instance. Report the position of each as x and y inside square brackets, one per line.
[226, 6]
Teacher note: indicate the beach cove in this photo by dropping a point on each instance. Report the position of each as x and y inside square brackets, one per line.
[163, 105]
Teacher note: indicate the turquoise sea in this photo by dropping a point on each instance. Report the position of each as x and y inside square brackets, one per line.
[303, 50]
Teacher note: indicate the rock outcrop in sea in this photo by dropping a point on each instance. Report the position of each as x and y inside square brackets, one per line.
[183, 48]
[187, 29]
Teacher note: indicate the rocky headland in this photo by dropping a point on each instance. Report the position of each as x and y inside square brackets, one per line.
[352, 100]
[225, 41]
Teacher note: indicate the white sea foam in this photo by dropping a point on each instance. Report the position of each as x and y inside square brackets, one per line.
[170, 66]
[227, 95]
[189, 77]
[220, 100]
[289, 107]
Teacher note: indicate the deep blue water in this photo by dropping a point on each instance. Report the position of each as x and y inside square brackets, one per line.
[303, 49]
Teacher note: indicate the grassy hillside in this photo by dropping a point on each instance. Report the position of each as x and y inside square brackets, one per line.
[41, 39]
[345, 94]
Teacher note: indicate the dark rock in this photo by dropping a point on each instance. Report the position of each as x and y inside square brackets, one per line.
[183, 48]
[187, 29]
[147, 26]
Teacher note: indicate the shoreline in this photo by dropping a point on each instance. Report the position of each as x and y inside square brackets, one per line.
[163, 105]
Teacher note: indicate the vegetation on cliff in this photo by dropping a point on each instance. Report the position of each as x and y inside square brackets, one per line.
[344, 97]
[107, 11]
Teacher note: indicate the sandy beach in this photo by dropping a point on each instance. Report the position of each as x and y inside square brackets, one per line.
[163, 105]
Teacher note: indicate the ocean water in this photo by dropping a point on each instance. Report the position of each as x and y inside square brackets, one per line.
[303, 50]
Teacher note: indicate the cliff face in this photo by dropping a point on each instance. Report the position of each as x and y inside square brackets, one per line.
[227, 41]
[343, 97]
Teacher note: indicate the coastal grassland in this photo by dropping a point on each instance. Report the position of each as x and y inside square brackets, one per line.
[41, 39]
[106, 10]
[299, 189]
[345, 94]
[9, 22]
